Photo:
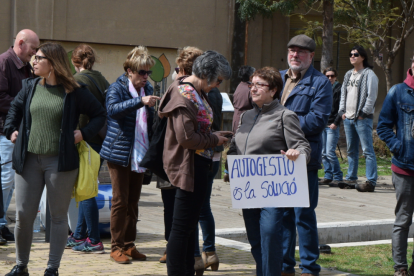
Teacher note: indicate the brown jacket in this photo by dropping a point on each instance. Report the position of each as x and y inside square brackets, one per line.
[12, 72]
[181, 137]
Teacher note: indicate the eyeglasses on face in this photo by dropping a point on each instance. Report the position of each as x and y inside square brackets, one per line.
[258, 85]
[219, 81]
[143, 73]
[330, 76]
[299, 52]
[354, 54]
[39, 58]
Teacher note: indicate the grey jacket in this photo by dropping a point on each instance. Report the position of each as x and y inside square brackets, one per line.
[367, 94]
[261, 131]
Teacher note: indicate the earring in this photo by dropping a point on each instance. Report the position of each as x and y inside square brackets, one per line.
[49, 73]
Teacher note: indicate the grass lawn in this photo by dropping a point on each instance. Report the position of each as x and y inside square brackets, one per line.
[362, 260]
[384, 167]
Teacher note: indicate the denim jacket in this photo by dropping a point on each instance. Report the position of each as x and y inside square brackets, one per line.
[398, 111]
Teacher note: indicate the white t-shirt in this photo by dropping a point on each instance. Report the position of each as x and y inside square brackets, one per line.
[352, 94]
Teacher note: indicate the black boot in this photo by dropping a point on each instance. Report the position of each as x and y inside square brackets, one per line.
[51, 272]
[6, 234]
[18, 271]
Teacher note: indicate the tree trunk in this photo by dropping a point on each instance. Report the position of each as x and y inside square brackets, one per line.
[327, 34]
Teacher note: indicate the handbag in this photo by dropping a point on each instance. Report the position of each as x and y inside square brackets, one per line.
[103, 130]
[86, 185]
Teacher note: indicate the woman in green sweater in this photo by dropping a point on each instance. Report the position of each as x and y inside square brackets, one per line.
[83, 58]
[42, 122]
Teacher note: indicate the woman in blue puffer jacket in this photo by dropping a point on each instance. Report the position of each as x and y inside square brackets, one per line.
[129, 104]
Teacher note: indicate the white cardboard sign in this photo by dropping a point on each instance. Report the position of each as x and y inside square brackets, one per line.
[259, 181]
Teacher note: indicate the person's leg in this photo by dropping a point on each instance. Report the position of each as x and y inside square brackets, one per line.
[135, 186]
[271, 241]
[180, 248]
[325, 160]
[91, 215]
[168, 199]
[331, 142]
[307, 229]
[29, 189]
[364, 129]
[289, 240]
[251, 219]
[404, 192]
[352, 142]
[80, 231]
[119, 210]
[7, 175]
[59, 191]
[206, 219]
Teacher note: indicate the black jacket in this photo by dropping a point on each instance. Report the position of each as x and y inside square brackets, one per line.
[216, 103]
[335, 118]
[79, 101]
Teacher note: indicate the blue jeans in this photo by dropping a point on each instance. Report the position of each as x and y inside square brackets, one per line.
[206, 219]
[304, 219]
[88, 218]
[7, 175]
[361, 130]
[329, 159]
[265, 231]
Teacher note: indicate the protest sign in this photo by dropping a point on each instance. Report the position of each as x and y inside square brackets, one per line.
[259, 181]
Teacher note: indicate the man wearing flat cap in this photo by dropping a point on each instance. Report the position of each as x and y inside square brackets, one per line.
[307, 92]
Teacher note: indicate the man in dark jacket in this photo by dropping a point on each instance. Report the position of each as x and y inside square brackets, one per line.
[308, 93]
[397, 114]
[14, 67]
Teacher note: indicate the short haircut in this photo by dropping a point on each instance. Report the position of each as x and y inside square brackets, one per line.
[363, 54]
[273, 78]
[58, 58]
[186, 57]
[245, 72]
[211, 65]
[84, 56]
[329, 69]
[138, 59]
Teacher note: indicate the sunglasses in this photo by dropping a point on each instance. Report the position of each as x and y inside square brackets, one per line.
[143, 73]
[354, 54]
[177, 69]
[330, 76]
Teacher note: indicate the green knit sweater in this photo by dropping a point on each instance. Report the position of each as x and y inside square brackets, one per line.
[46, 110]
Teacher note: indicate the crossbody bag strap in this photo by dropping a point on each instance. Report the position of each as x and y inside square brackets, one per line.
[94, 82]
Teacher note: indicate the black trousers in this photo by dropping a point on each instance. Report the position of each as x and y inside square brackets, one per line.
[187, 206]
[168, 198]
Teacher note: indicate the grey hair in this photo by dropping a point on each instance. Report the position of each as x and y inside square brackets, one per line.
[211, 65]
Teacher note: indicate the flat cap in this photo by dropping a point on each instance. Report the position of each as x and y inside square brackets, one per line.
[302, 41]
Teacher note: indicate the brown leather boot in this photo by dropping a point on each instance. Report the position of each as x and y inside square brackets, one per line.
[119, 257]
[163, 259]
[134, 254]
[198, 266]
[211, 260]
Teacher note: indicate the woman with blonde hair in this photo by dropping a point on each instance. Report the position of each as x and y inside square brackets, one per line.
[129, 104]
[83, 59]
[42, 122]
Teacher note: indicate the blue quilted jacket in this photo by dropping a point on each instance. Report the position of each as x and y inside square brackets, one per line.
[121, 109]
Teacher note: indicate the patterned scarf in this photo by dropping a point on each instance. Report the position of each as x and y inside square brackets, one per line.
[141, 142]
[362, 89]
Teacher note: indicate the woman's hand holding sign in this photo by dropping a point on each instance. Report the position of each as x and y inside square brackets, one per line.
[291, 154]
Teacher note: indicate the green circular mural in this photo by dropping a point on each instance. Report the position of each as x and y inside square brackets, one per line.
[157, 70]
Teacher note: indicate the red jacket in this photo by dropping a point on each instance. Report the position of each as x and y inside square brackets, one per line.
[12, 72]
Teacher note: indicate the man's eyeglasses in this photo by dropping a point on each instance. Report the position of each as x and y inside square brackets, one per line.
[39, 58]
[354, 54]
[330, 76]
[143, 73]
[258, 85]
[299, 52]
[219, 81]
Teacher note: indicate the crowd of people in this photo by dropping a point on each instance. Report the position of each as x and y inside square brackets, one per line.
[45, 111]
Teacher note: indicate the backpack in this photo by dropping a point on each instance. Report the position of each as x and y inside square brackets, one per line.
[86, 185]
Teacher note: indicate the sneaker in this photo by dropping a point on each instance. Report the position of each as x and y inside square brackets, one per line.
[334, 184]
[2, 240]
[324, 181]
[347, 184]
[134, 254]
[88, 247]
[6, 234]
[119, 257]
[51, 272]
[71, 242]
[401, 272]
[365, 187]
[18, 270]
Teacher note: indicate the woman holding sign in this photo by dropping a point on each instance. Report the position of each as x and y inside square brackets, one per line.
[268, 128]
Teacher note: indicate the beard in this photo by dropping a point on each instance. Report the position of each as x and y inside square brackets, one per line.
[297, 68]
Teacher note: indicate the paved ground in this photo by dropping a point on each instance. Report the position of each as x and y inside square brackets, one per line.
[335, 205]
